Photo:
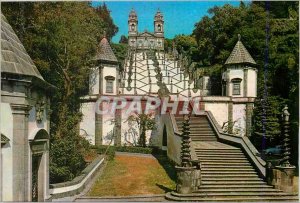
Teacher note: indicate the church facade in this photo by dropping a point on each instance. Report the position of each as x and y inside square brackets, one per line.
[146, 40]
[151, 72]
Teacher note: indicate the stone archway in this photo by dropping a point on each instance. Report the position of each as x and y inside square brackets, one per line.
[39, 165]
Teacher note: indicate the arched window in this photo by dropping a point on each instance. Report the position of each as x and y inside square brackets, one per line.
[236, 86]
[132, 27]
[159, 28]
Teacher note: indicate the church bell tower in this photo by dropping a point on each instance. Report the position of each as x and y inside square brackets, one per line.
[132, 28]
[159, 24]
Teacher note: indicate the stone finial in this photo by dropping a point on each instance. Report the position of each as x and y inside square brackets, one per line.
[285, 113]
[286, 137]
[239, 37]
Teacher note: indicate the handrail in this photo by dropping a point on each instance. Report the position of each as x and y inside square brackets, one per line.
[244, 142]
[174, 124]
[176, 132]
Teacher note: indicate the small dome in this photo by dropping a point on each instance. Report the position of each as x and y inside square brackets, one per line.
[132, 14]
[158, 15]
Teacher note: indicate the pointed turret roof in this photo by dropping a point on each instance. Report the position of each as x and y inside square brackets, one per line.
[14, 58]
[240, 55]
[105, 52]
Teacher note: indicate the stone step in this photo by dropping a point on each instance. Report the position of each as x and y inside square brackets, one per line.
[220, 150]
[215, 158]
[233, 187]
[196, 139]
[233, 199]
[228, 175]
[231, 179]
[202, 155]
[240, 183]
[224, 166]
[238, 194]
[222, 169]
[205, 172]
[202, 134]
[213, 153]
[204, 138]
[258, 189]
[197, 126]
[234, 194]
[222, 162]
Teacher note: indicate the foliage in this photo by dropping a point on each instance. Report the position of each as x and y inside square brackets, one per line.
[120, 50]
[69, 161]
[145, 122]
[62, 43]
[111, 150]
[104, 14]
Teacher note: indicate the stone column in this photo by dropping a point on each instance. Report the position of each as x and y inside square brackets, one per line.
[245, 82]
[20, 150]
[118, 127]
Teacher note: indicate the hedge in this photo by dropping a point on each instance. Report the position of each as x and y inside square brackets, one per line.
[111, 150]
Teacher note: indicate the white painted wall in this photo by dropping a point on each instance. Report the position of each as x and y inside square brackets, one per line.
[219, 111]
[6, 151]
[252, 83]
[239, 115]
[87, 125]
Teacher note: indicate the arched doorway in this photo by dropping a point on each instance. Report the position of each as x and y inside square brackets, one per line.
[39, 165]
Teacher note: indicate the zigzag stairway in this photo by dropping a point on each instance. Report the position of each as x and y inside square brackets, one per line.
[226, 173]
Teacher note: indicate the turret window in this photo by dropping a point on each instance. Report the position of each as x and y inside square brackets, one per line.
[236, 86]
[109, 84]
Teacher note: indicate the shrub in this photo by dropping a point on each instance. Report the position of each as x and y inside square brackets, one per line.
[131, 149]
[67, 158]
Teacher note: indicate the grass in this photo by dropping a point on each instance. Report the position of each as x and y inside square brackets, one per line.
[134, 175]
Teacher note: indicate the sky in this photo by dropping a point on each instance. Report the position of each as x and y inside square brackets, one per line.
[179, 17]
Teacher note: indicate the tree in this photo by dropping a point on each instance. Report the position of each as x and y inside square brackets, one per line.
[104, 14]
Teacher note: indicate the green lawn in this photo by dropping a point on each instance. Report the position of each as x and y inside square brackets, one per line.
[135, 175]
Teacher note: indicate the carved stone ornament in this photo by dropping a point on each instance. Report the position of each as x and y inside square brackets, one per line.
[39, 111]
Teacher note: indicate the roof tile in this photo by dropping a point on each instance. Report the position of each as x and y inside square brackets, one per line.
[14, 58]
[105, 52]
[240, 55]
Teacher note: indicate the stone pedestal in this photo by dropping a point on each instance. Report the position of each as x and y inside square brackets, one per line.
[281, 177]
[185, 179]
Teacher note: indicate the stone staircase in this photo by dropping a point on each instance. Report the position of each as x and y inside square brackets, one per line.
[226, 173]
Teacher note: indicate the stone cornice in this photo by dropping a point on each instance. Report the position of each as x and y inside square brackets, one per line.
[22, 109]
